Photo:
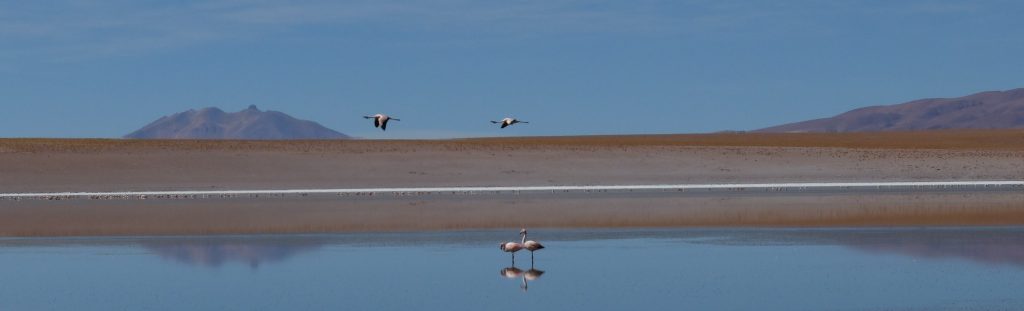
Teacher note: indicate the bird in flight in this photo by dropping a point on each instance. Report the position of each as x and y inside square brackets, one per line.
[508, 121]
[381, 120]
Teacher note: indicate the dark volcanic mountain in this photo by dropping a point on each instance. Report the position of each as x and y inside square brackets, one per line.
[986, 110]
[251, 123]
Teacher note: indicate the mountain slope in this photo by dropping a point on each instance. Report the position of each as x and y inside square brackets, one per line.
[986, 110]
[251, 123]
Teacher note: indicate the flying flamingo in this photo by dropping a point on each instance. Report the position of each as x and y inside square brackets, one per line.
[508, 121]
[530, 245]
[381, 120]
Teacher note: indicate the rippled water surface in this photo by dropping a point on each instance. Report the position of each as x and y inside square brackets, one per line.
[690, 269]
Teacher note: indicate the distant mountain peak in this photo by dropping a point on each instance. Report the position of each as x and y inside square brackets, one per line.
[208, 110]
[251, 123]
[983, 110]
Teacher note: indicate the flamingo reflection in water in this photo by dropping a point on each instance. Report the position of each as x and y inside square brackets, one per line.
[511, 272]
[526, 277]
[530, 275]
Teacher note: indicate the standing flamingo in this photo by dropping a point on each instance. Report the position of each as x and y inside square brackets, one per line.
[511, 247]
[530, 245]
[381, 120]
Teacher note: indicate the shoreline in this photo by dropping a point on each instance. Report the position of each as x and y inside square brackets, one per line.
[268, 215]
[679, 189]
[55, 166]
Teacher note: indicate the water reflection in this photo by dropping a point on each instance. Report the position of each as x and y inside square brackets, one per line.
[525, 276]
[531, 275]
[511, 272]
[991, 246]
[986, 247]
[722, 269]
[216, 252]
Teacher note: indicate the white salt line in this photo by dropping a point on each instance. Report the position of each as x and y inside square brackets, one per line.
[519, 189]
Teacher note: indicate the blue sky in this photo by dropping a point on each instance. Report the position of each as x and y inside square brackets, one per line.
[90, 68]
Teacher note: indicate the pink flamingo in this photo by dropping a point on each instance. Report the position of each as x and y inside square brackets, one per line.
[511, 247]
[530, 245]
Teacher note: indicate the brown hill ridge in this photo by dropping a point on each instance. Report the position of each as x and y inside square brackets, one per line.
[251, 123]
[985, 110]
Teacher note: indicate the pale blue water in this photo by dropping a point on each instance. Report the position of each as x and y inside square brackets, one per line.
[757, 269]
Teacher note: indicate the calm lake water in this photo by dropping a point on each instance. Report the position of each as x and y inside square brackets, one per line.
[690, 269]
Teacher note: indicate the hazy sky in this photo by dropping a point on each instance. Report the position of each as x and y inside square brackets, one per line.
[103, 68]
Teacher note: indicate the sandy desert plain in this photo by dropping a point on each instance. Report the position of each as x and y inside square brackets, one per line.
[57, 165]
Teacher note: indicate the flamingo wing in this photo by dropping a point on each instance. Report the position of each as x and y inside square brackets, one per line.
[533, 245]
